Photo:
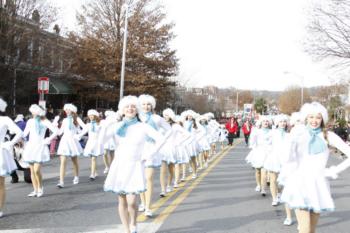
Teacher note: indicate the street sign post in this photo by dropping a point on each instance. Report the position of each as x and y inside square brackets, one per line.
[43, 88]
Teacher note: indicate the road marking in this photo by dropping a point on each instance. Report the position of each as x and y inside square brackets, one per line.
[162, 201]
[168, 210]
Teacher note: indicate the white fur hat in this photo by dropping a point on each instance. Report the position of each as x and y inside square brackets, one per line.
[3, 105]
[147, 99]
[93, 112]
[170, 113]
[265, 118]
[128, 100]
[202, 117]
[210, 115]
[314, 108]
[70, 107]
[37, 110]
[109, 113]
[257, 123]
[19, 117]
[281, 117]
[296, 116]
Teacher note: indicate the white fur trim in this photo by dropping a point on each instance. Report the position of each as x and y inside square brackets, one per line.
[37, 110]
[93, 112]
[70, 107]
[147, 99]
[281, 117]
[3, 105]
[170, 113]
[128, 100]
[314, 108]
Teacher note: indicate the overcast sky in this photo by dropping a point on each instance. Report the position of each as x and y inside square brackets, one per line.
[248, 44]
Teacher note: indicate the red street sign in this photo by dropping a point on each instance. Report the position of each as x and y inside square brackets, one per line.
[43, 85]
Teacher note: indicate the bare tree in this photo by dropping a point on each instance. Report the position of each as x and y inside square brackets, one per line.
[329, 32]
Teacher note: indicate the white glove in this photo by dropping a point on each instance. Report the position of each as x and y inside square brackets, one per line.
[331, 173]
[77, 137]
[47, 141]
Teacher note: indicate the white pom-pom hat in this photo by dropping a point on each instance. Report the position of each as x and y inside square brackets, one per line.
[70, 107]
[314, 108]
[3, 105]
[169, 113]
[129, 100]
[37, 110]
[93, 112]
[147, 99]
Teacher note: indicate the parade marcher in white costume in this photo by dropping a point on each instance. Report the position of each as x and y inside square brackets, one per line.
[93, 147]
[126, 176]
[307, 188]
[204, 137]
[213, 131]
[272, 163]
[148, 104]
[36, 150]
[69, 145]
[222, 136]
[109, 147]
[297, 127]
[190, 125]
[7, 162]
[261, 144]
[171, 151]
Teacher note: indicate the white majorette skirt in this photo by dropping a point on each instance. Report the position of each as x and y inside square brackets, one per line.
[258, 157]
[7, 162]
[36, 152]
[93, 148]
[155, 160]
[169, 153]
[125, 177]
[309, 192]
[69, 146]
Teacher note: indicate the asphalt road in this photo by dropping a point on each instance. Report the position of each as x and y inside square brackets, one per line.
[222, 199]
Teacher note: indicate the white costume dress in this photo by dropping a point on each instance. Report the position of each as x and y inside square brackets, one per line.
[93, 146]
[203, 137]
[36, 150]
[213, 131]
[69, 143]
[7, 162]
[261, 147]
[222, 134]
[126, 174]
[279, 149]
[110, 145]
[192, 146]
[161, 126]
[307, 187]
[173, 149]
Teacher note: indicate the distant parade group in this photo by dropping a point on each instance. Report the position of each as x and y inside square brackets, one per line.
[288, 153]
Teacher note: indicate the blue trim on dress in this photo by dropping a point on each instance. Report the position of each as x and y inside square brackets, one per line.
[309, 208]
[33, 161]
[122, 192]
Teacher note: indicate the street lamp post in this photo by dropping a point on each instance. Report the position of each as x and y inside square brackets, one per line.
[121, 94]
[301, 86]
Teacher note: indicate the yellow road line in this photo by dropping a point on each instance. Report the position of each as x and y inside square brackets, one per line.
[162, 201]
[168, 210]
